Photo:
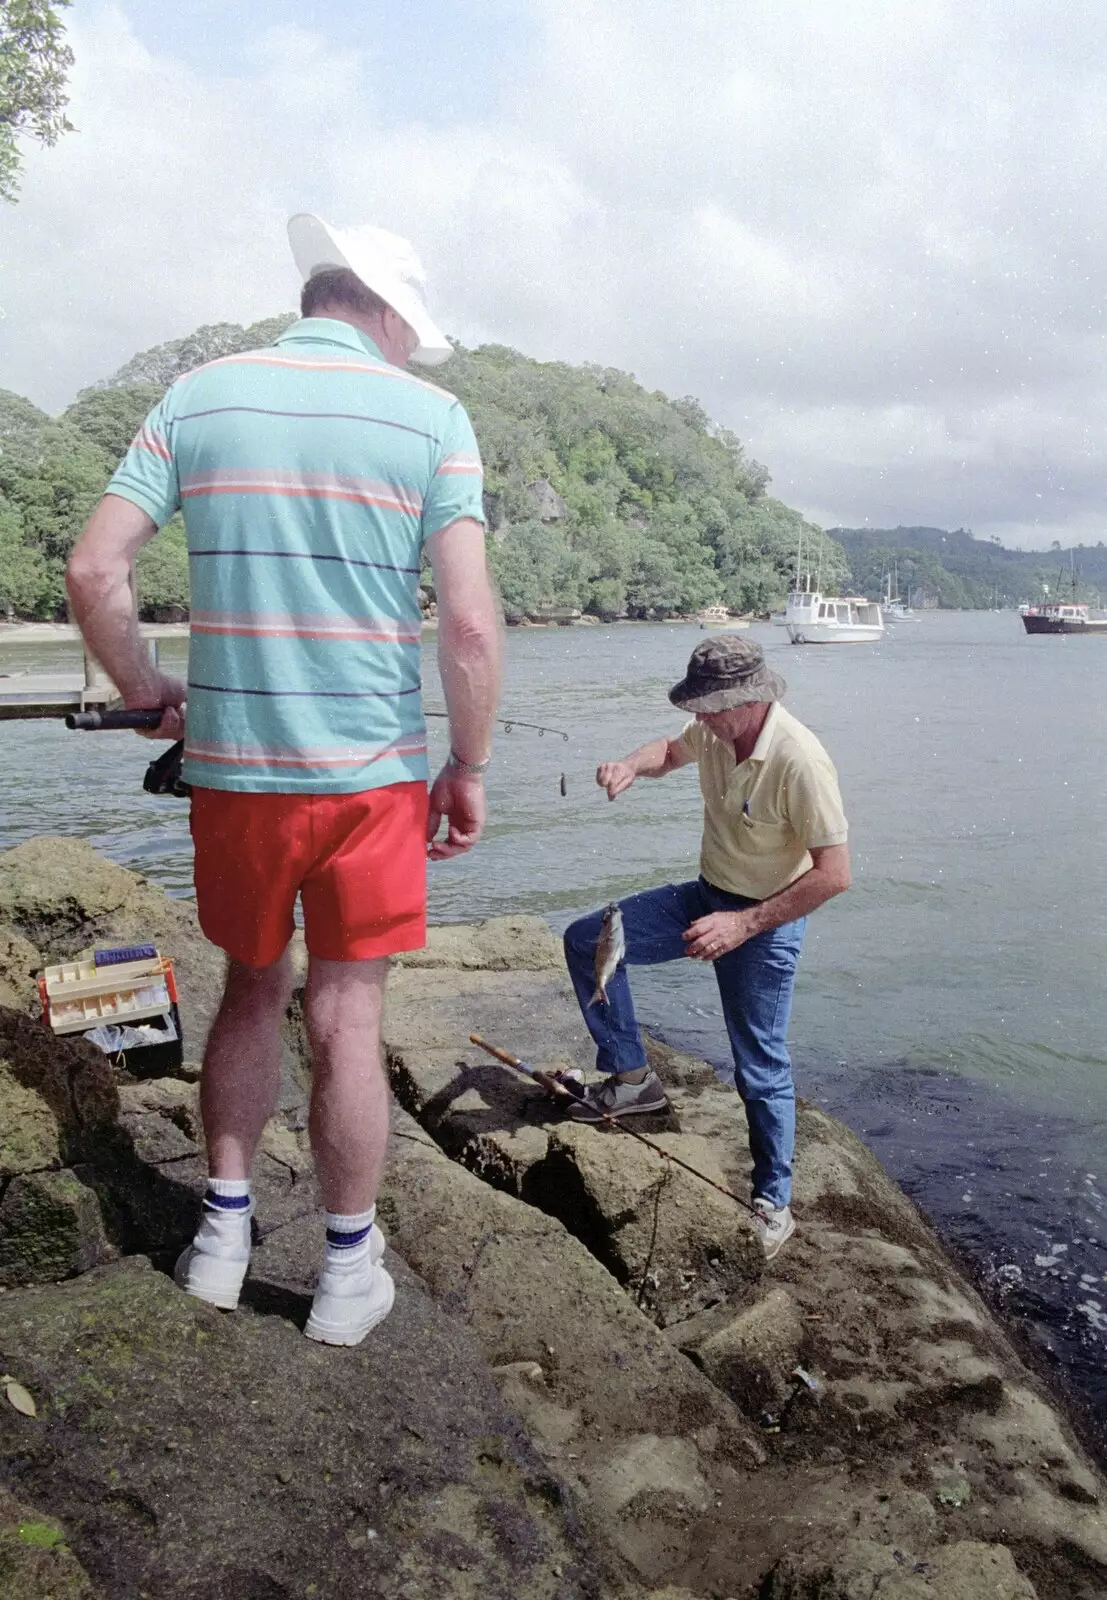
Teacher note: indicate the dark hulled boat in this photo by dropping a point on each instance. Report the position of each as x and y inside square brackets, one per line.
[1062, 618]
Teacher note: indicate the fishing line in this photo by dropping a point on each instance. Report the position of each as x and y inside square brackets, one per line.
[563, 1089]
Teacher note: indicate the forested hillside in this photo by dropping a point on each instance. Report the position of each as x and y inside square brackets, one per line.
[600, 495]
[953, 569]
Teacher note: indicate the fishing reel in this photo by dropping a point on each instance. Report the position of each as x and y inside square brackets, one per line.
[163, 775]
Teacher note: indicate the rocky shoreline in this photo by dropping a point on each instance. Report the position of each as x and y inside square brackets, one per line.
[587, 1387]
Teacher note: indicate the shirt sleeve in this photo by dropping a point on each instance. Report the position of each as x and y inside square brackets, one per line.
[814, 804]
[147, 475]
[457, 488]
[691, 736]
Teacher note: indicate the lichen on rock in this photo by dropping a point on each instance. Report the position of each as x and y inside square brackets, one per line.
[58, 1100]
[51, 1227]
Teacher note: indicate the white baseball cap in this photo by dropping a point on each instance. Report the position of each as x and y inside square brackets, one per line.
[383, 261]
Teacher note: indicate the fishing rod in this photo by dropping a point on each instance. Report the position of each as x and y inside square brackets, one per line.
[94, 721]
[163, 776]
[569, 1089]
[509, 724]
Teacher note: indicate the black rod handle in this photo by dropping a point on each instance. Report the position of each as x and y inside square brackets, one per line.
[94, 721]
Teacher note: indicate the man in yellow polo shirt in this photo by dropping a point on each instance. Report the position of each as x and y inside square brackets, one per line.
[774, 848]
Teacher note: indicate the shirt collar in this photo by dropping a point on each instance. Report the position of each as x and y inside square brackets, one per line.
[330, 330]
[765, 737]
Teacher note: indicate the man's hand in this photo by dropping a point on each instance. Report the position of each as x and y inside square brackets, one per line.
[165, 691]
[713, 936]
[616, 777]
[651, 760]
[459, 797]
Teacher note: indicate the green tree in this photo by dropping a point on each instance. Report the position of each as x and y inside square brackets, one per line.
[524, 565]
[24, 581]
[51, 475]
[34, 61]
[164, 362]
[161, 572]
[655, 586]
[112, 417]
[57, 492]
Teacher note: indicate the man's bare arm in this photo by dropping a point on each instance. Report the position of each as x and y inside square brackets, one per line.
[469, 665]
[712, 936]
[101, 593]
[651, 760]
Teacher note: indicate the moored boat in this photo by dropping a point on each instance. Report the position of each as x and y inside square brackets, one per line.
[813, 618]
[892, 607]
[1062, 617]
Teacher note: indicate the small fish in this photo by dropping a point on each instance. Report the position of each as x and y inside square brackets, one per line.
[610, 950]
[564, 786]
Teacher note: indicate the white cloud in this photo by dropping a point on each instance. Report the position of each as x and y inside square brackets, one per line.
[867, 235]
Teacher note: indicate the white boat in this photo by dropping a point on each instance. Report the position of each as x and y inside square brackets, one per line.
[814, 618]
[894, 609]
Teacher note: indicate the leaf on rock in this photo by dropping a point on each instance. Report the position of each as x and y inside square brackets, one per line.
[19, 1397]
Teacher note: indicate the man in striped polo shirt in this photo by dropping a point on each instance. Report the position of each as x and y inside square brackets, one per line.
[311, 477]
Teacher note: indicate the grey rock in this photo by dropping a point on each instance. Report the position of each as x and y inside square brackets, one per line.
[20, 964]
[548, 504]
[407, 1473]
[499, 944]
[51, 1227]
[58, 1101]
[753, 1356]
[862, 1570]
[36, 1562]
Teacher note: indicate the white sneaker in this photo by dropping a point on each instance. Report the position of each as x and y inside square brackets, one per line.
[775, 1226]
[352, 1297]
[216, 1273]
[377, 1242]
[216, 1279]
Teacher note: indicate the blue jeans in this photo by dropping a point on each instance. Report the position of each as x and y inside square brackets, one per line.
[755, 985]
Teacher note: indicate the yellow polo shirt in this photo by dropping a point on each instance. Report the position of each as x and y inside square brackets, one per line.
[762, 819]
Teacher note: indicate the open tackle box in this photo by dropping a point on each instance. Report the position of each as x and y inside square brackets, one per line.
[124, 1001]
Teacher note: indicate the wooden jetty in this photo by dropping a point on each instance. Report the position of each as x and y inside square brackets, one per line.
[51, 694]
[33, 695]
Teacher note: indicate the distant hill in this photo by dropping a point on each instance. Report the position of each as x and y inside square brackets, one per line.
[948, 567]
[600, 495]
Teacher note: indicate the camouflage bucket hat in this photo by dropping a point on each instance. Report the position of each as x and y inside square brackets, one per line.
[724, 672]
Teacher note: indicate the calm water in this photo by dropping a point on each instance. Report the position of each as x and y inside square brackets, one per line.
[950, 1007]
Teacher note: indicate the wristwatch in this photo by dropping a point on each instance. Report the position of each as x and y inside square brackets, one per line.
[475, 767]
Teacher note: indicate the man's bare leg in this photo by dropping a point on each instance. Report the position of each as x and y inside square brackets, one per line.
[238, 1095]
[349, 1135]
[242, 1064]
[349, 1098]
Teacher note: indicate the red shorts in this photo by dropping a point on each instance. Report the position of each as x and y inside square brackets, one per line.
[358, 862]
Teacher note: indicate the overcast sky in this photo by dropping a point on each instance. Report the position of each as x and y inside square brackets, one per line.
[867, 234]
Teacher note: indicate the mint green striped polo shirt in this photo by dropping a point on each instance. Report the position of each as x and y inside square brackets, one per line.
[309, 475]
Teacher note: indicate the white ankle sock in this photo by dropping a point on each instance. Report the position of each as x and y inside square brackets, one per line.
[225, 1217]
[348, 1238]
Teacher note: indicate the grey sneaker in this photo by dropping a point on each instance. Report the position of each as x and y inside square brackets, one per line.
[775, 1226]
[620, 1099]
